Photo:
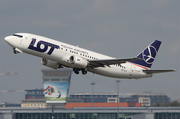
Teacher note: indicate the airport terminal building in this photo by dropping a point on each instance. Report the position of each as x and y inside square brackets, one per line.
[146, 99]
[87, 105]
[92, 113]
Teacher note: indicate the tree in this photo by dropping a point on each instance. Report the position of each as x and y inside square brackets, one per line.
[171, 104]
[175, 104]
[157, 104]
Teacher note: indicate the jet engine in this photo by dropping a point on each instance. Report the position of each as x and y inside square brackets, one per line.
[76, 62]
[51, 64]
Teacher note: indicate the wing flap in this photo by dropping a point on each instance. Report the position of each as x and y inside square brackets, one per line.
[157, 71]
[107, 62]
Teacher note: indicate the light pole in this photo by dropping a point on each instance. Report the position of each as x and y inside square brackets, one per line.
[118, 98]
[92, 92]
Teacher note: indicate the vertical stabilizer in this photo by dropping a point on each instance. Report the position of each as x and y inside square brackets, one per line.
[148, 55]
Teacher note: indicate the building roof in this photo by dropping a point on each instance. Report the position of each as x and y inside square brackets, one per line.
[120, 94]
[113, 93]
[149, 94]
[93, 110]
[33, 100]
[94, 93]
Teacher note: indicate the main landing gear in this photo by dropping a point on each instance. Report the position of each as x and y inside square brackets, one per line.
[76, 71]
[84, 72]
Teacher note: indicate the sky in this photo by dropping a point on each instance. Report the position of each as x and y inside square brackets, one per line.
[117, 28]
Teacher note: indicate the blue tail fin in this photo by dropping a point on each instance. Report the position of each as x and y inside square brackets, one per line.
[148, 55]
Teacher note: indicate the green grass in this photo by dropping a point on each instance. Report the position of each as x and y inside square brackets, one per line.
[56, 99]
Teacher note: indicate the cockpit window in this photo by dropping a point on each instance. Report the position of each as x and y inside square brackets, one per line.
[20, 36]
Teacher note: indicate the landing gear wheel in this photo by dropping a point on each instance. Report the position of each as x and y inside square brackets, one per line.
[15, 52]
[76, 71]
[84, 72]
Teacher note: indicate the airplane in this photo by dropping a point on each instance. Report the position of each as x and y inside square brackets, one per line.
[56, 54]
[8, 73]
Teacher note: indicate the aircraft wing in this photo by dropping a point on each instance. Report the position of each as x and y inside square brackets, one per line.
[157, 71]
[107, 62]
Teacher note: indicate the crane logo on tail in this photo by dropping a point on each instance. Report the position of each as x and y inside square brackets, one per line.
[149, 54]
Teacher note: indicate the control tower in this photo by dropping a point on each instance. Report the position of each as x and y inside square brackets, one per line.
[56, 86]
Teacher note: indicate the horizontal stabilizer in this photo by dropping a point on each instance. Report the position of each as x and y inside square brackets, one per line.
[157, 71]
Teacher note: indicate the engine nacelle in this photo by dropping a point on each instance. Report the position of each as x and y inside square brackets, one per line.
[50, 64]
[76, 62]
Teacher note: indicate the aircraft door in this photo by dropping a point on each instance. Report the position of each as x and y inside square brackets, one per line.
[131, 71]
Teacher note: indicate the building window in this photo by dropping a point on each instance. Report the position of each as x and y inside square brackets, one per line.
[111, 99]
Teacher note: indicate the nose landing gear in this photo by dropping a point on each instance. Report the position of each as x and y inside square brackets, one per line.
[16, 51]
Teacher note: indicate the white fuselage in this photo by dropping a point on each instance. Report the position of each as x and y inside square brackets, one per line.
[125, 70]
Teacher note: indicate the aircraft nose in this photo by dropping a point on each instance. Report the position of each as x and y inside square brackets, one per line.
[10, 40]
[7, 39]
